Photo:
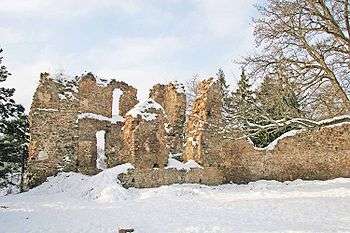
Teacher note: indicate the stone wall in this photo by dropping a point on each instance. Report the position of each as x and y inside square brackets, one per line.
[204, 123]
[96, 100]
[144, 136]
[173, 99]
[87, 148]
[65, 115]
[96, 96]
[53, 130]
[148, 178]
[319, 154]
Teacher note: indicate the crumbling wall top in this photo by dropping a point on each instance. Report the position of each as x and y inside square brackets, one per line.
[96, 96]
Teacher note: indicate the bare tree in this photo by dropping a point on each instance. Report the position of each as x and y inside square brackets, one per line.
[310, 41]
[191, 86]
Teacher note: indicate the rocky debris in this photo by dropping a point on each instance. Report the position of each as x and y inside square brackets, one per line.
[173, 99]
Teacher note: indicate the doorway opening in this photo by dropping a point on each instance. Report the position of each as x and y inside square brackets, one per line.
[101, 158]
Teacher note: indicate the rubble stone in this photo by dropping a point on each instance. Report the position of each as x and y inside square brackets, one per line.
[66, 114]
[144, 136]
[204, 123]
[173, 99]
[148, 178]
[62, 140]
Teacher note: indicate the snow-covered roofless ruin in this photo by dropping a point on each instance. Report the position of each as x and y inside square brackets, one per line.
[86, 124]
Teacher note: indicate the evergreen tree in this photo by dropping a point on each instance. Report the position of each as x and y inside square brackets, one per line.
[222, 78]
[226, 96]
[278, 102]
[279, 98]
[13, 133]
[256, 113]
[242, 105]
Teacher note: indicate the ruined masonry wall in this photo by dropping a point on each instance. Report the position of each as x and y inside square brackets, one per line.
[96, 96]
[53, 130]
[64, 118]
[322, 153]
[144, 136]
[173, 100]
[205, 120]
[318, 154]
[156, 177]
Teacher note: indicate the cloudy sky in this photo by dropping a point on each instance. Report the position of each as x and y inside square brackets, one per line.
[142, 42]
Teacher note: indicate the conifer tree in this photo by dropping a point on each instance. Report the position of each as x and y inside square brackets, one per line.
[242, 104]
[13, 133]
[226, 97]
[278, 102]
[222, 79]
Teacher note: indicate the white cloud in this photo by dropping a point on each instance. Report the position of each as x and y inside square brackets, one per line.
[10, 35]
[143, 59]
[65, 8]
[135, 51]
[138, 61]
[223, 17]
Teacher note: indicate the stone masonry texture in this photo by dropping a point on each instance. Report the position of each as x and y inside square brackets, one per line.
[173, 100]
[66, 113]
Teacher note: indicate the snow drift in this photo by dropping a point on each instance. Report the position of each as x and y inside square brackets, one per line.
[71, 202]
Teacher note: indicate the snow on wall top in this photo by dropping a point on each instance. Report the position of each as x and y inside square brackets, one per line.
[176, 164]
[63, 78]
[89, 115]
[274, 143]
[331, 122]
[142, 109]
[213, 80]
[102, 82]
[69, 83]
[180, 88]
[66, 79]
[335, 120]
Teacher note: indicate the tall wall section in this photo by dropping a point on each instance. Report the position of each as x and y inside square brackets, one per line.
[53, 129]
[173, 100]
[95, 114]
[144, 136]
[64, 119]
[204, 123]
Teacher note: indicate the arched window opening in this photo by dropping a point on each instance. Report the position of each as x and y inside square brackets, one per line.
[117, 93]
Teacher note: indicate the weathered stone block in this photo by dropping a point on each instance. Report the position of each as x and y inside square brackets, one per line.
[144, 136]
[173, 100]
[204, 124]
[148, 178]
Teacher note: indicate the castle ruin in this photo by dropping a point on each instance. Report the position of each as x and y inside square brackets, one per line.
[68, 117]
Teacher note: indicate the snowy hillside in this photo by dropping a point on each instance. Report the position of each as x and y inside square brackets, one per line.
[75, 203]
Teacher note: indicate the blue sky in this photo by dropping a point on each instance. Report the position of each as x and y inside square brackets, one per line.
[140, 42]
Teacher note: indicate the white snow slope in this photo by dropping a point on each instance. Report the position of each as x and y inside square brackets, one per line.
[75, 203]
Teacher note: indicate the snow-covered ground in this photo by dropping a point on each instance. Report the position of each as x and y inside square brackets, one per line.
[75, 203]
